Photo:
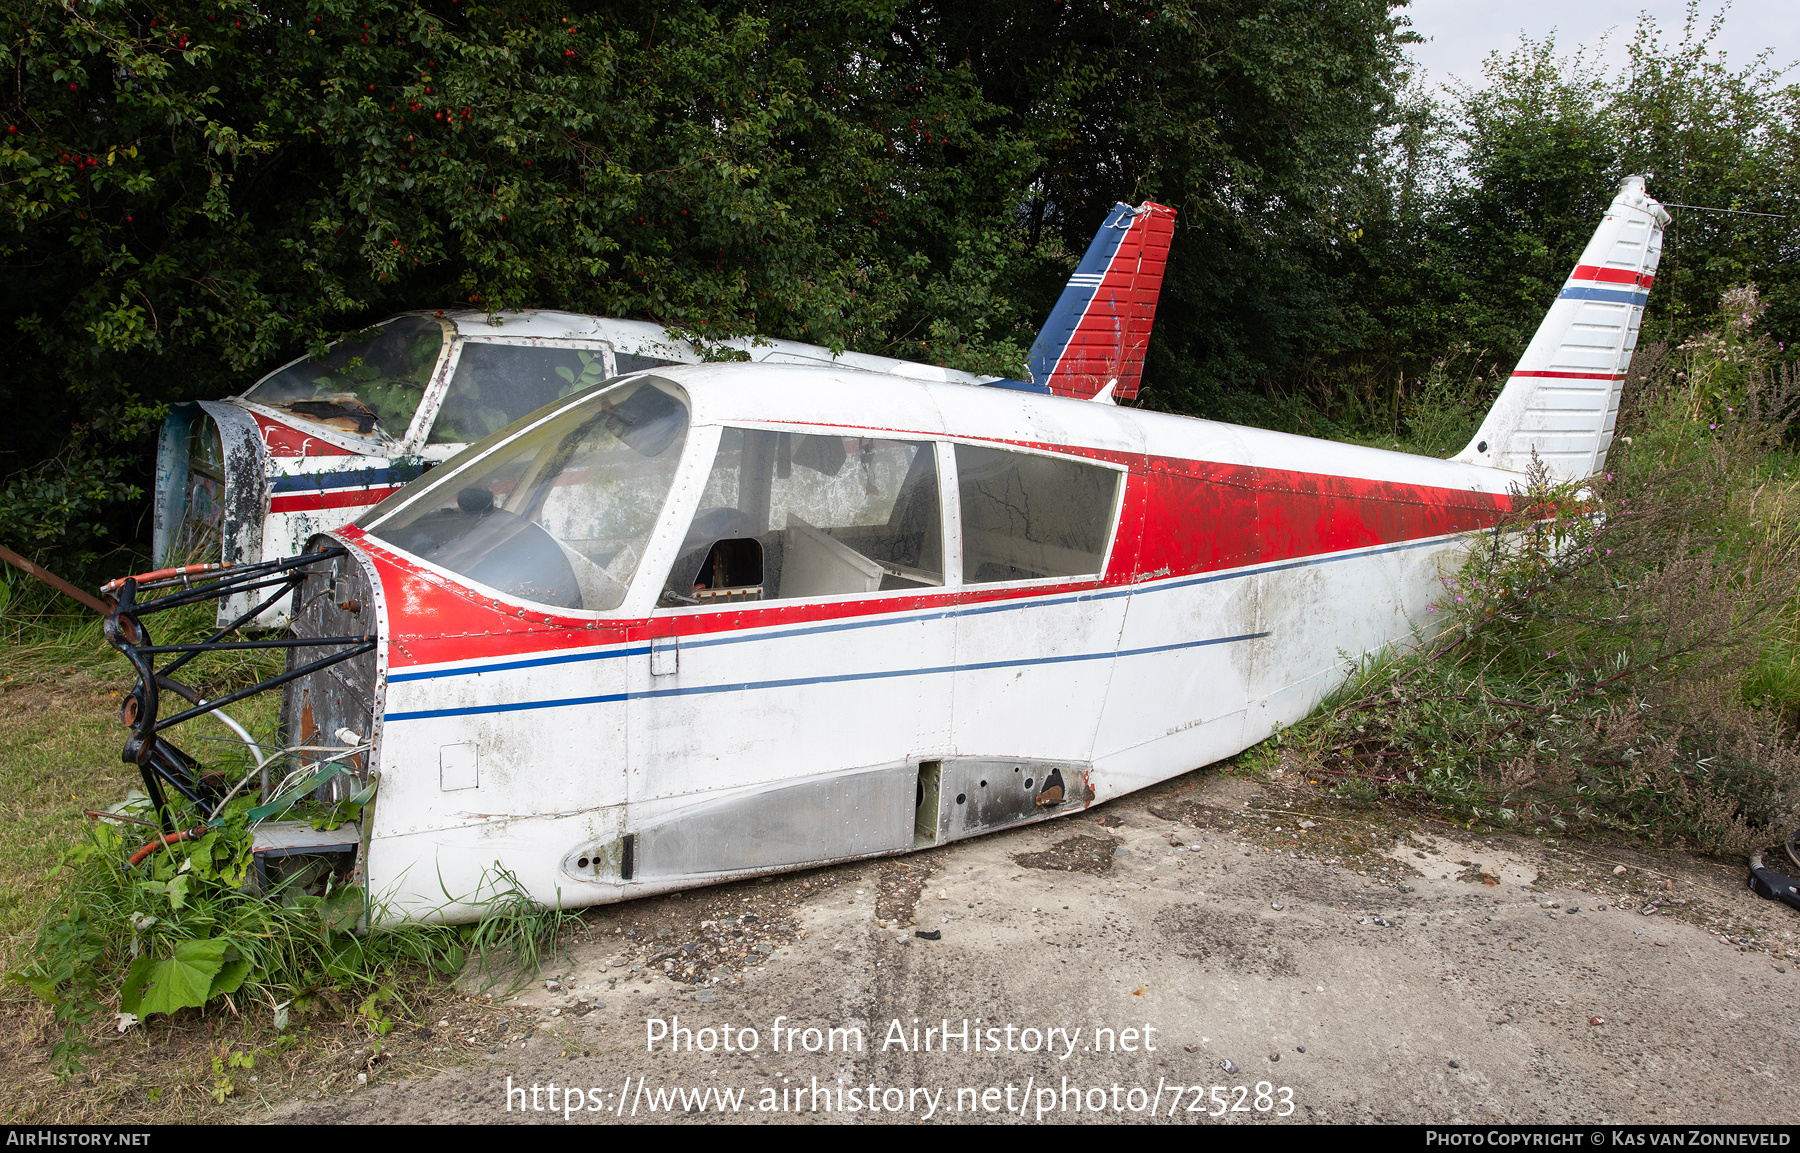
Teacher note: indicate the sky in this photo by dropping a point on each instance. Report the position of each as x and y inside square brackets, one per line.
[1460, 33]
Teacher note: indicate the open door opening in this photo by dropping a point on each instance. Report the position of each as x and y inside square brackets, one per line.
[925, 804]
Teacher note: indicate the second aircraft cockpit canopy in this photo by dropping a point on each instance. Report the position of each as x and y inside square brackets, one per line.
[563, 513]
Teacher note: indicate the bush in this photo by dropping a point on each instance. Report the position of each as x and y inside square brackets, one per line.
[1589, 665]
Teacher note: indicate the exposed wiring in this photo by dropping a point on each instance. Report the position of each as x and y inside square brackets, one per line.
[313, 767]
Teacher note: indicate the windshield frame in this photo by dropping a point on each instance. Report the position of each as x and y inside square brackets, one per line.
[364, 445]
[660, 546]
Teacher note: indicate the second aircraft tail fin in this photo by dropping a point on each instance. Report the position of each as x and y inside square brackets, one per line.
[1097, 333]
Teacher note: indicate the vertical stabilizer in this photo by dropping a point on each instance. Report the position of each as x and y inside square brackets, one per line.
[1097, 332]
[1563, 398]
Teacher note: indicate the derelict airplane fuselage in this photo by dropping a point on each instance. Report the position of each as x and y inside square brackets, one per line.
[708, 621]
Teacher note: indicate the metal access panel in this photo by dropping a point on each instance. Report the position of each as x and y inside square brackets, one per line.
[979, 795]
[851, 814]
[277, 840]
[299, 838]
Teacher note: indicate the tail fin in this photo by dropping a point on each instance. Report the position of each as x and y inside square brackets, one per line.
[1563, 398]
[1097, 332]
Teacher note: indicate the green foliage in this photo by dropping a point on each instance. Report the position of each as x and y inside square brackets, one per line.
[515, 934]
[186, 927]
[1475, 205]
[197, 194]
[195, 973]
[190, 926]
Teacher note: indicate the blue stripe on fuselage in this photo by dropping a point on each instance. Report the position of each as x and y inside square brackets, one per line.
[795, 682]
[349, 478]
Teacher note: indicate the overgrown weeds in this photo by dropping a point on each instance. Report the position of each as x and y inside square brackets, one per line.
[192, 927]
[515, 935]
[1619, 655]
[199, 927]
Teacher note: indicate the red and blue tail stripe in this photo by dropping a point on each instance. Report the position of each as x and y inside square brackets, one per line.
[1614, 285]
[1098, 331]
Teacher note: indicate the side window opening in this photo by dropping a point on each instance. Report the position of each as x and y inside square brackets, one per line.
[1026, 517]
[496, 384]
[632, 362]
[369, 385]
[827, 516]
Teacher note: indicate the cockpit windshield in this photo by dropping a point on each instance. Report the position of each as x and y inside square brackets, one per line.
[369, 386]
[560, 515]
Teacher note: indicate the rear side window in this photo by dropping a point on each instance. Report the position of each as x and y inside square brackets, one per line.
[1025, 517]
[634, 362]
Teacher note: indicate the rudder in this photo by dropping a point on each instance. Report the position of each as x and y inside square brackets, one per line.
[1097, 333]
[1562, 399]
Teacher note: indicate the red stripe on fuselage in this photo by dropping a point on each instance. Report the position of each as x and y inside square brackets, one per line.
[1200, 517]
[1180, 518]
[344, 498]
[1573, 375]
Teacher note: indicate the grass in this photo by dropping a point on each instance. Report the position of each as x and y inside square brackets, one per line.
[1622, 659]
[68, 905]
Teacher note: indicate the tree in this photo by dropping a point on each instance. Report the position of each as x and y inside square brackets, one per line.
[197, 192]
